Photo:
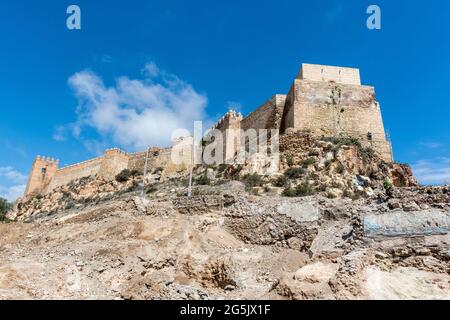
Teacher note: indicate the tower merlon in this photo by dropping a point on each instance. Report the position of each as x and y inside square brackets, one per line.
[317, 72]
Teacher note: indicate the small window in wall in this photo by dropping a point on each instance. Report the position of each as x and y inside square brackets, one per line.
[44, 171]
[369, 136]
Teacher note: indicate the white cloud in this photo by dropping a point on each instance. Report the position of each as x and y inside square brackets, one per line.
[135, 113]
[431, 144]
[60, 133]
[12, 175]
[12, 183]
[12, 193]
[432, 171]
[151, 70]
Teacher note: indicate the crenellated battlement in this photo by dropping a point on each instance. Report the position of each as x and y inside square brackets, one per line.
[230, 117]
[117, 151]
[47, 160]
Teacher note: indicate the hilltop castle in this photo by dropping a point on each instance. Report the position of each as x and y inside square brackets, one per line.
[325, 101]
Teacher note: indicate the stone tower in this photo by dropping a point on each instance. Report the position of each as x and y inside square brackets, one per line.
[331, 102]
[228, 125]
[42, 172]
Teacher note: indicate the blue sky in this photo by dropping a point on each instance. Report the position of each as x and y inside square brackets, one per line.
[204, 56]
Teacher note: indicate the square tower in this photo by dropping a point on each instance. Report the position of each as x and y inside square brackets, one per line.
[330, 101]
[42, 172]
[317, 72]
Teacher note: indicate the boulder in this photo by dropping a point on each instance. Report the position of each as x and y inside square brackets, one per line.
[401, 223]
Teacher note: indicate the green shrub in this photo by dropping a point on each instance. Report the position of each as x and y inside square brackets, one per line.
[151, 189]
[347, 193]
[158, 170]
[289, 192]
[134, 185]
[388, 187]
[294, 173]
[303, 189]
[366, 153]
[289, 160]
[343, 141]
[253, 180]
[5, 206]
[307, 162]
[331, 195]
[203, 180]
[135, 173]
[222, 167]
[279, 181]
[123, 176]
[327, 164]
[313, 176]
[233, 172]
[340, 168]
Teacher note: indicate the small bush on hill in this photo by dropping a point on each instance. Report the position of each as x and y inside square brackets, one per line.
[294, 173]
[303, 190]
[340, 168]
[5, 206]
[279, 181]
[388, 187]
[289, 192]
[222, 167]
[289, 160]
[135, 173]
[233, 172]
[158, 170]
[151, 189]
[203, 180]
[123, 176]
[307, 162]
[366, 153]
[253, 180]
[331, 195]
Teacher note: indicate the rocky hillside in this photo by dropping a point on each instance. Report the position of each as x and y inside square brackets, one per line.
[333, 168]
[336, 223]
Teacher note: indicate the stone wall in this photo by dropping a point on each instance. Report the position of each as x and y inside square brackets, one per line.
[136, 161]
[267, 116]
[108, 166]
[315, 72]
[114, 161]
[76, 171]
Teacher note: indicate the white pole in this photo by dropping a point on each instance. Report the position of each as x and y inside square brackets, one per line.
[145, 173]
[192, 169]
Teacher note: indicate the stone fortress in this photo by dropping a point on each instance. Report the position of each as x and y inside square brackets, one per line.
[325, 101]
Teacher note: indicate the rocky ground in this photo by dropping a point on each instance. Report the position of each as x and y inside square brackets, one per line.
[336, 226]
